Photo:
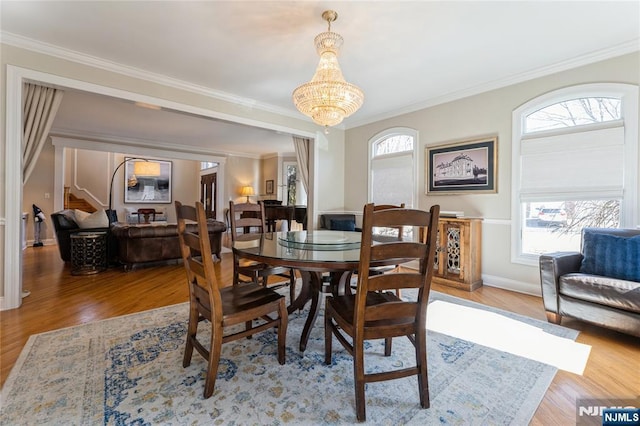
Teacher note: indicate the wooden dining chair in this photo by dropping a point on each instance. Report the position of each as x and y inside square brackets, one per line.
[375, 312]
[222, 306]
[246, 220]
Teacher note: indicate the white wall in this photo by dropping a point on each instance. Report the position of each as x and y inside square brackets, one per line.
[484, 114]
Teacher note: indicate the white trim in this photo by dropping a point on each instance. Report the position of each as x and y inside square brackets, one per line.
[119, 146]
[501, 222]
[85, 190]
[145, 144]
[13, 198]
[628, 93]
[511, 285]
[58, 179]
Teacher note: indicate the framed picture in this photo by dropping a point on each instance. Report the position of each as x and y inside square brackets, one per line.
[147, 181]
[269, 187]
[462, 167]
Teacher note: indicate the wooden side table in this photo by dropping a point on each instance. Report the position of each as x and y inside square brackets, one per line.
[88, 253]
[459, 258]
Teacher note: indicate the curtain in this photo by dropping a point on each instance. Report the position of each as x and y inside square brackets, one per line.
[302, 155]
[39, 106]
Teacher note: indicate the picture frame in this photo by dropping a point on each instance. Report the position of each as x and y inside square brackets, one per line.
[462, 167]
[147, 189]
[269, 187]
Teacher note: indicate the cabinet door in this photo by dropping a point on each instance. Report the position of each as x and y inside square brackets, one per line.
[453, 251]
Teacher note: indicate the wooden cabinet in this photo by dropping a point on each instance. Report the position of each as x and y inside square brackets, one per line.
[459, 256]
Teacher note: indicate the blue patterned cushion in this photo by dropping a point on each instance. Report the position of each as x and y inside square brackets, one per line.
[342, 225]
[611, 256]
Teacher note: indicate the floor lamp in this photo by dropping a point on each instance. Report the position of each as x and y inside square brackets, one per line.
[155, 171]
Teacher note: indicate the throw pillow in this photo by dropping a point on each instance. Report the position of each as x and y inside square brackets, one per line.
[611, 256]
[342, 225]
[66, 220]
[97, 219]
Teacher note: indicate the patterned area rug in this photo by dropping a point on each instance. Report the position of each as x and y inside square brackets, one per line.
[128, 370]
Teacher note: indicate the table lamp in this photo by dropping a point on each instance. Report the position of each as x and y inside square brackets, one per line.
[247, 191]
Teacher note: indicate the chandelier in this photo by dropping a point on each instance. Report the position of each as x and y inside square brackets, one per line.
[328, 98]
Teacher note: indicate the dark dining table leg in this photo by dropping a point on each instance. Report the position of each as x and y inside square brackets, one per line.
[312, 287]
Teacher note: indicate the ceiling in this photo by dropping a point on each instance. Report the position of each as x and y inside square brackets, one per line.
[405, 55]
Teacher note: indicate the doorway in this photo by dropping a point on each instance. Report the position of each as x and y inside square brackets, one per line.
[15, 76]
[208, 191]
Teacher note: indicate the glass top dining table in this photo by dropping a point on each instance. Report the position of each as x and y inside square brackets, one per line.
[312, 253]
[307, 249]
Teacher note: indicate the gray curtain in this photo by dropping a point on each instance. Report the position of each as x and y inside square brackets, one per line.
[39, 106]
[302, 154]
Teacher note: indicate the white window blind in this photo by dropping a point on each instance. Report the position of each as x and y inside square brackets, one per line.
[570, 166]
[392, 179]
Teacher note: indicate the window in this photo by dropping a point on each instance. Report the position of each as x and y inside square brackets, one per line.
[574, 166]
[204, 165]
[392, 177]
[574, 112]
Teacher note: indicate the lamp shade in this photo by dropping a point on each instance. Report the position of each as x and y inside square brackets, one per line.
[247, 191]
[146, 168]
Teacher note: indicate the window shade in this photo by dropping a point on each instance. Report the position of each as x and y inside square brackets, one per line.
[571, 166]
[392, 180]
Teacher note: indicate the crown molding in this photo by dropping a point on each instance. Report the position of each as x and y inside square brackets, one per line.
[73, 56]
[105, 142]
[597, 56]
[96, 62]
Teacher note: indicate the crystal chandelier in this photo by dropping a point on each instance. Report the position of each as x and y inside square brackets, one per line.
[328, 98]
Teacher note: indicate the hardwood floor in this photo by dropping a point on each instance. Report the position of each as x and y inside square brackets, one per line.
[59, 299]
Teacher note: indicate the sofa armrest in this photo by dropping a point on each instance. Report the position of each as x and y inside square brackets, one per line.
[552, 267]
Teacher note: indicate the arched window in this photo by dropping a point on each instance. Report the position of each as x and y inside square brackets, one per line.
[575, 156]
[392, 171]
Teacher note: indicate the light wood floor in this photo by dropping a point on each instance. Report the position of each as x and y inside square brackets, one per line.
[59, 299]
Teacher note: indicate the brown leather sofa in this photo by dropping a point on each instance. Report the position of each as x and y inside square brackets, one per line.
[600, 284]
[152, 245]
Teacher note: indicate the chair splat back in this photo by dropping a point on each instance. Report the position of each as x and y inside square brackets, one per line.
[199, 268]
[246, 216]
[250, 219]
[403, 251]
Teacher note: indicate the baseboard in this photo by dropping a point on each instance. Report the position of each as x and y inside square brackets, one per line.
[511, 285]
[47, 242]
[500, 282]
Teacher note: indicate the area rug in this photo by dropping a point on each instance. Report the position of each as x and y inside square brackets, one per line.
[128, 370]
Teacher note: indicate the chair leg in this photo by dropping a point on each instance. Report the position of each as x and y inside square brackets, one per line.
[192, 331]
[292, 286]
[328, 335]
[214, 360]
[387, 346]
[248, 325]
[421, 362]
[282, 331]
[358, 373]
